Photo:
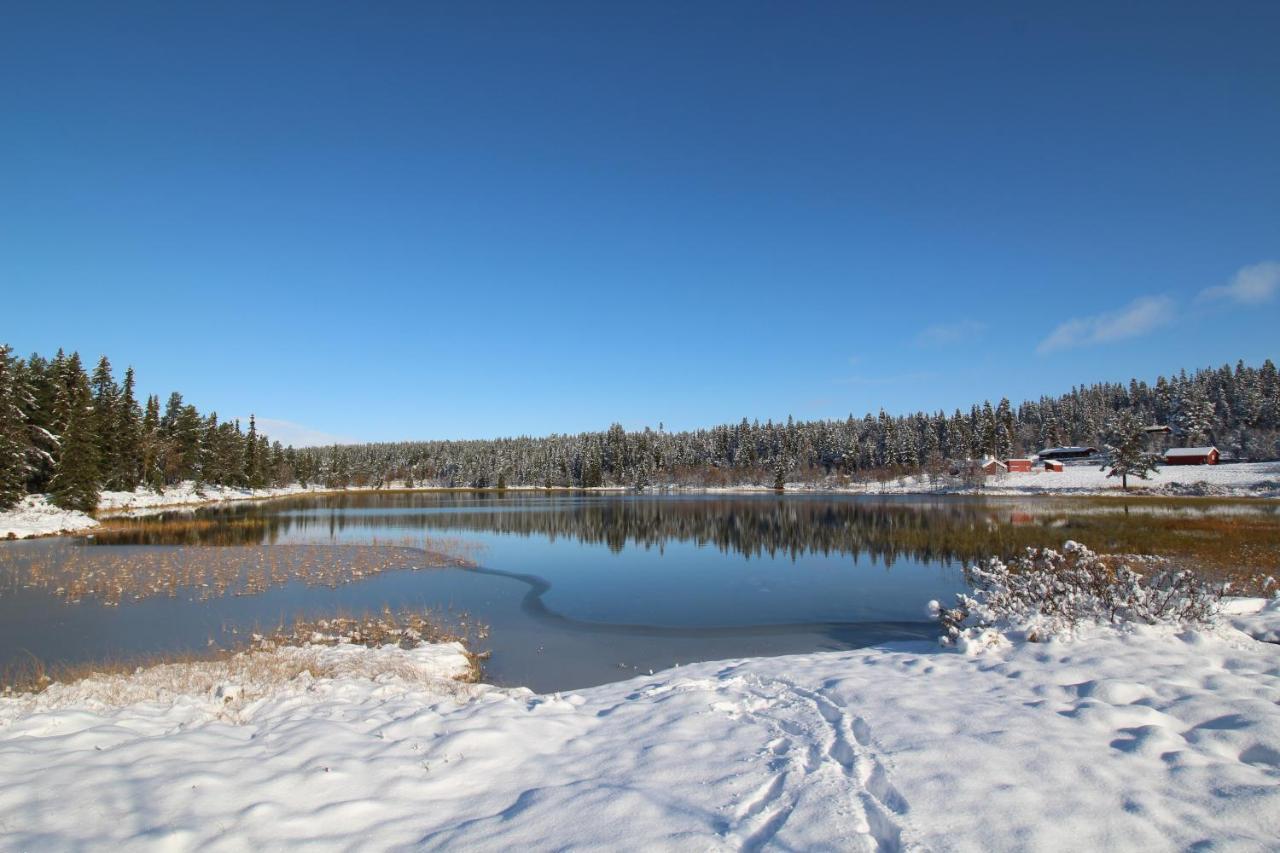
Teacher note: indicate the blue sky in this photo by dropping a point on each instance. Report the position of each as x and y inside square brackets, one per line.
[384, 221]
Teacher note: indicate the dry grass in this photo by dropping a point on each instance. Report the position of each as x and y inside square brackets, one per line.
[110, 575]
[256, 659]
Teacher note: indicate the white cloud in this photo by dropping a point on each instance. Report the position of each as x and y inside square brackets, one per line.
[1137, 318]
[289, 433]
[945, 334]
[1249, 286]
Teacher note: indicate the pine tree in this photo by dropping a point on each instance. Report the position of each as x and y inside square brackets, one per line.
[13, 428]
[106, 423]
[75, 483]
[1129, 457]
[1005, 429]
[44, 379]
[252, 465]
[129, 434]
[152, 446]
[987, 431]
[1195, 415]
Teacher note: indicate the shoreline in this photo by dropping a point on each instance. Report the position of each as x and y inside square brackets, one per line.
[36, 517]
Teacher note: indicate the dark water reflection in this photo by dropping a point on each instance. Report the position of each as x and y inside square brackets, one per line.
[577, 589]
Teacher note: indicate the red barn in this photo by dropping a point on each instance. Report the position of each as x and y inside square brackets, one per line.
[1023, 465]
[1192, 456]
[1053, 465]
[994, 466]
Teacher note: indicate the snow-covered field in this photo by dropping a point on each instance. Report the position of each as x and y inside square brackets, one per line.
[1150, 739]
[1246, 479]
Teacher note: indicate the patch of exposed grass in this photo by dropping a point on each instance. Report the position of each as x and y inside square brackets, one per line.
[112, 575]
[405, 628]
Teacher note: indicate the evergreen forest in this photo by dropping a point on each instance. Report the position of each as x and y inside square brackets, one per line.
[72, 433]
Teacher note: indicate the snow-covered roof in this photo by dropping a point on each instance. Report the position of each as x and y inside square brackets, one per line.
[1073, 449]
[1190, 451]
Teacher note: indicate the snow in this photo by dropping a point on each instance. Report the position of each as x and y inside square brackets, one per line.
[1257, 617]
[37, 516]
[188, 493]
[1153, 738]
[1248, 479]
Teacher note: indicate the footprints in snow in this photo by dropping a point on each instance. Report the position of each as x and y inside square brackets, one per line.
[823, 766]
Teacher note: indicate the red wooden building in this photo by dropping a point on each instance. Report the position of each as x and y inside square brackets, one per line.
[993, 466]
[1192, 456]
[1023, 465]
[1053, 465]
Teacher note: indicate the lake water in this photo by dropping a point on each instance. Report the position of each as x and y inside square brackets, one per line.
[575, 589]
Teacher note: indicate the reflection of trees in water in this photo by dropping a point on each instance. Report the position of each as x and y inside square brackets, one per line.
[883, 532]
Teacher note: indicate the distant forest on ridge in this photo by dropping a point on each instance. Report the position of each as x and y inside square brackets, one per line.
[72, 434]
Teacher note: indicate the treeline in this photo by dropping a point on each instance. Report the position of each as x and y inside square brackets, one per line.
[73, 434]
[1236, 409]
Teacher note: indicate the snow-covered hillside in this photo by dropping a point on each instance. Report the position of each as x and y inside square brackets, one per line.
[1147, 739]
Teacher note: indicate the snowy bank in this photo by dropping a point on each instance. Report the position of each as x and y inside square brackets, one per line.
[36, 515]
[1246, 479]
[1151, 738]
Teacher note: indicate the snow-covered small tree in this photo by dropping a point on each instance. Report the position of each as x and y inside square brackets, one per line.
[1129, 457]
[1044, 593]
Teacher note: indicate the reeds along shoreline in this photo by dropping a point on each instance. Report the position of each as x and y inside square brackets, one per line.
[112, 575]
[404, 628]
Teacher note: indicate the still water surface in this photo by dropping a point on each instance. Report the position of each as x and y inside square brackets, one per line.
[576, 589]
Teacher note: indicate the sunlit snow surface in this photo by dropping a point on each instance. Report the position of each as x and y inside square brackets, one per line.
[35, 515]
[1150, 739]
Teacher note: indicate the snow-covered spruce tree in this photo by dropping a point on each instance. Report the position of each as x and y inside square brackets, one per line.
[106, 423]
[152, 446]
[252, 464]
[13, 438]
[1195, 414]
[75, 483]
[986, 429]
[1005, 429]
[129, 426]
[1129, 456]
[43, 381]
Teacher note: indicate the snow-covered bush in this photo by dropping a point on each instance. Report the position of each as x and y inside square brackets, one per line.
[1045, 593]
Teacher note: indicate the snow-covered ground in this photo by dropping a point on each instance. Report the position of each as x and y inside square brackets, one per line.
[37, 516]
[1246, 479]
[1150, 739]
